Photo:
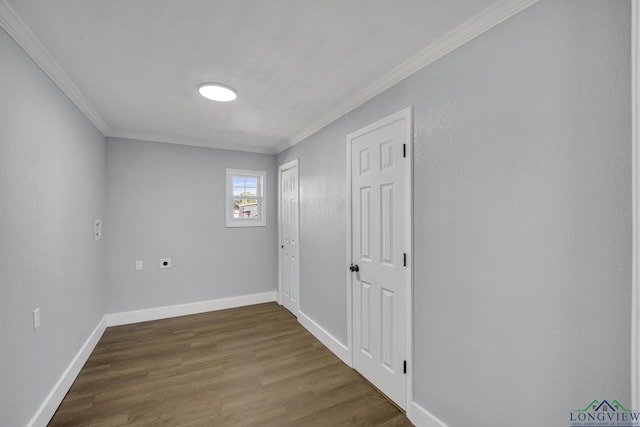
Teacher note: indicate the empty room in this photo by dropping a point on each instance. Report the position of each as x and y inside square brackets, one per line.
[319, 213]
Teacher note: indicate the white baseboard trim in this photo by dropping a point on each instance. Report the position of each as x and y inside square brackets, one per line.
[127, 317]
[423, 418]
[325, 338]
[59, 391]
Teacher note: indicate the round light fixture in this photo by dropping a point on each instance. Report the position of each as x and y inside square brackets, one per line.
[217, 92]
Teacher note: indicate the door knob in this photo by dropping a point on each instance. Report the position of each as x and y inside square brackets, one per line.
[354, 267]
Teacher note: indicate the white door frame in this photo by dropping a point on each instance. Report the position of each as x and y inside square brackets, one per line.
[406, 115]
[281, 168]
[635, 144]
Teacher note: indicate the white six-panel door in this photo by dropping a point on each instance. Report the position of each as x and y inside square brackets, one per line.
[288, 212]
[380, 246]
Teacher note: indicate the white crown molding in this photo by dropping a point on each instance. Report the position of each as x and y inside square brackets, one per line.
[143, 136]
[18, 30]
[293, 141]
[27, 40]
[485, 20]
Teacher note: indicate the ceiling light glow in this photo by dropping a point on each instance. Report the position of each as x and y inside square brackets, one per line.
[217, 92]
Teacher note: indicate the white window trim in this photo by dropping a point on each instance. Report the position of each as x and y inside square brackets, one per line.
[262, 192]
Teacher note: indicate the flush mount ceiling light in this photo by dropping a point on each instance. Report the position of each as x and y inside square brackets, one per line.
[217, 92]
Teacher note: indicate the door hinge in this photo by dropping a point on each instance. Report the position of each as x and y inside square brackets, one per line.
[405, 366]
[404, 259]
[404, 150]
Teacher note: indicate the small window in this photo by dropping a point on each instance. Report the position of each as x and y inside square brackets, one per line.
[246, 198]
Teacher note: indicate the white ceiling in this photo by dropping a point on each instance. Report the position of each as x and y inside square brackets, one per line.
[133, 66]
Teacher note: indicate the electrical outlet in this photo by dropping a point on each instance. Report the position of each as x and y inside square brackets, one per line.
[165, 262]
[36, 318]
[139, 265]
[98, 229]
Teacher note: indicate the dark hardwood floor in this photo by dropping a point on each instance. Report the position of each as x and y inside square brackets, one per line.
[248, 366]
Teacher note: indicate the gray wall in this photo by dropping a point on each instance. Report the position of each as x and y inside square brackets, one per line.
[322, 226]
[168, 201]
[522, 222]
[522, 217]
[52, 188]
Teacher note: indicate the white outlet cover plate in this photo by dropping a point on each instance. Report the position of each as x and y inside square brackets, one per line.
[98, 229]
[139, 265]
[36, 319]
[165, 262]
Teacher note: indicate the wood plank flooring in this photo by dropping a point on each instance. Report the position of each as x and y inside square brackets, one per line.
[248, 366]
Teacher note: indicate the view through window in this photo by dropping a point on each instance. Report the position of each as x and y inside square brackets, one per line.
[245, 200]
[245, 192]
